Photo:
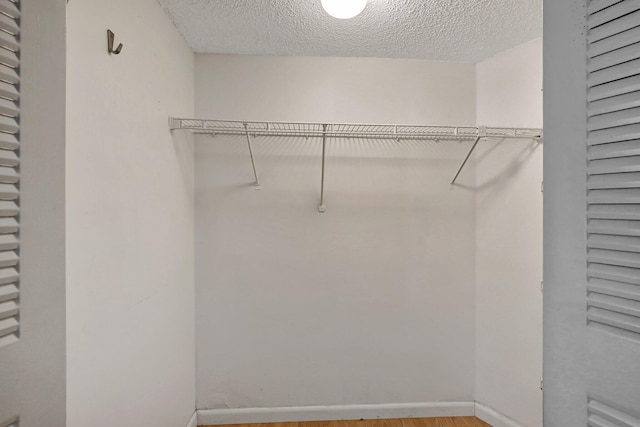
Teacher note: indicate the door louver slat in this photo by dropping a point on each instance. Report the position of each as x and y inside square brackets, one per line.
[613, 197]
[615, 227]
[598, 5]
[9, 158]
[613, 12]
[9, 75]
[8, 308]
[617, 134]
[607, 181]
[617, 243]
[614, 103]
[609, 120]
[614, 151]
[10, 9]
[615, 57]
[614, 258]
[603, 32]
[602, 414]
[616, 165]
[8, 258]
[8, 225]
[608, 287]
[9, 25]
[13, 422]
[615, 72]
[8, 292]
[614, 88]
[613, 212]
[618, 41]
[613, 181]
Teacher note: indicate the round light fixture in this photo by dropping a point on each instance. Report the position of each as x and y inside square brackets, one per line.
[344, 9]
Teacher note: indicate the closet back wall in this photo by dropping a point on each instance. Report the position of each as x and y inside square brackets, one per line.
[371, 302]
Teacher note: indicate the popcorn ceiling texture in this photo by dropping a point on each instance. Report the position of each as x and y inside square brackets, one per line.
[439, 30]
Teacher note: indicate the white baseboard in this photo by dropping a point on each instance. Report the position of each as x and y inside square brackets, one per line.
[493, 417]
[337, 412]
[193, 422]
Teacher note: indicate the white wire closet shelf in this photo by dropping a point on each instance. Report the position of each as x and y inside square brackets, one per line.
[252, 129]
[349, 130]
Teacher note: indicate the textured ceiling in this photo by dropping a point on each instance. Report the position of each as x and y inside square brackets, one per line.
[442, 30]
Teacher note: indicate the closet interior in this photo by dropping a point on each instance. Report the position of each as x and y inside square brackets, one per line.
[310, 237]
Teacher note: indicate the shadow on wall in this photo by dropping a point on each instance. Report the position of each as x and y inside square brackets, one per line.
[515, 159]
[184, 144]
[389, 167]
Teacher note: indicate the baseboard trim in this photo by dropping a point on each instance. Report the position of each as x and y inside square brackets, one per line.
[493, 417]
[193, 422]
[337, 412]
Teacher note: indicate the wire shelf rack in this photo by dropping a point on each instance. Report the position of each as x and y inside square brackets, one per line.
[349, 130]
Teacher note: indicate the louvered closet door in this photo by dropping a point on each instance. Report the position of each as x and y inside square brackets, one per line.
[9, 171]
[592, 213]
[9, 192]
[32, 234]
[613, 213]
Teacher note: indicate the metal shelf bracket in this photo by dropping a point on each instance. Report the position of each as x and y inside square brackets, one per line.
[256, 184]
[321, 207]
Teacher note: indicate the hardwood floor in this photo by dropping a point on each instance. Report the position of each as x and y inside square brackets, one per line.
[406, 422]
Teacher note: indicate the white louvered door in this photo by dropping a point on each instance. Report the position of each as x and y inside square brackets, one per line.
[592, 213]
[613, 213]
[9, 187]
[614, 168]
[9, 168]
[32, 213]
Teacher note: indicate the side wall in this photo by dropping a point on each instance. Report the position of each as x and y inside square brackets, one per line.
[130, 219]
[509, 238]
[371, 302]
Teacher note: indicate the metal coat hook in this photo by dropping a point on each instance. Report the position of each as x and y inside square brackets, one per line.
[111, 40]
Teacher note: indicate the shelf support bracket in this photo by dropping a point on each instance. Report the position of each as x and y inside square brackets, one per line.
[174, 124]
[321, 208]
[256, 184]
[466, 159]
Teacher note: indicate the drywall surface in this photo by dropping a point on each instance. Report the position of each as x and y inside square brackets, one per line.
[130, 219]
[372, 301]
[509, 238]
[342, 90]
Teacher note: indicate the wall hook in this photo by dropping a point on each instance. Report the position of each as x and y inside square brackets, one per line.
[110, 40]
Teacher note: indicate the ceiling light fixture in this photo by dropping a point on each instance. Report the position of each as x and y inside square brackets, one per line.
[344, 9]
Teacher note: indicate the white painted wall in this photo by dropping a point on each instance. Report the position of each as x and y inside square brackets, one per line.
[371, 302]
[344, 90]
[130, 261]
[509, 238]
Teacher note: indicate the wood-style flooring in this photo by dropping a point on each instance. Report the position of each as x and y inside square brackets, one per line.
[406, 422]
